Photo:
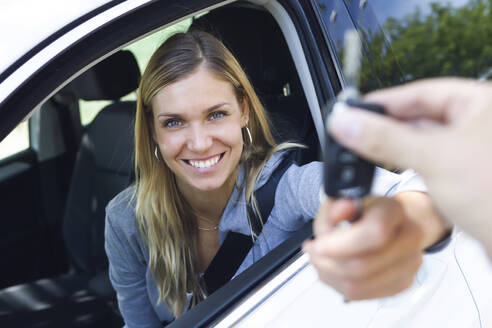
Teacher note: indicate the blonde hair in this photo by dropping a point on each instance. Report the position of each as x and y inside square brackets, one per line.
[166, 224]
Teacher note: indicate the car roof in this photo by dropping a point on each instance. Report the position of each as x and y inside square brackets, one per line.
[26, 23]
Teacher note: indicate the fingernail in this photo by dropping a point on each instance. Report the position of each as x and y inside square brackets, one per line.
[345, 124]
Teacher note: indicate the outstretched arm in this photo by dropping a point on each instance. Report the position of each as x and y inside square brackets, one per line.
[127, 276]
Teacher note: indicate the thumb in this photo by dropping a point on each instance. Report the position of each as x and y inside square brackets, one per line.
[331, 213]
[343, 210]
[379, 138]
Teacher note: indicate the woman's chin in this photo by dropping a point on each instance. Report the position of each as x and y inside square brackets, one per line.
[208, 187]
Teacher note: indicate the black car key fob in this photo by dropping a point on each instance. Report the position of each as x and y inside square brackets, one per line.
[346, 174]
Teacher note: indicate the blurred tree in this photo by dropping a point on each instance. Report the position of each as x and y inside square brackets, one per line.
[445, 42]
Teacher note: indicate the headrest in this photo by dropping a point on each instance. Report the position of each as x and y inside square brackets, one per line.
[113, 154]
[111, 79]
[255, 39]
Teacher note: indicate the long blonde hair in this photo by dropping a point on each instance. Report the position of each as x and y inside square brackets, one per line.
[165, 222]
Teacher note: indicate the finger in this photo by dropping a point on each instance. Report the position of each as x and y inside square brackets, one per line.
[307, 246]
[342, 210]
[404, 244]
[376, 227]
[329, 215]
[380, 138]
[322, 223]
[435, 99]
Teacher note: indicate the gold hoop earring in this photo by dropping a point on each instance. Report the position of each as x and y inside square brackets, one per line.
[155, 153]
[249, 135]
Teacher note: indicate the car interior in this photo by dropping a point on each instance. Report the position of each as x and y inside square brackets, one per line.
[103, 167]
[66, 283]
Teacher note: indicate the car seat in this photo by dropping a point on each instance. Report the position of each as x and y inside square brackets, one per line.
[255, 39]
[103, 167]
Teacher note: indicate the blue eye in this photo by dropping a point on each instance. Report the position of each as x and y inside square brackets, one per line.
[171, 123]
[217, 115]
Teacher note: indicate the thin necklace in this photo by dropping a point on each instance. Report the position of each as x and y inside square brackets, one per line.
[208, 220]
[208, 229]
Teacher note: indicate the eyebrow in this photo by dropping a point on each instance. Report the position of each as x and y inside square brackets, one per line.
[207, 111]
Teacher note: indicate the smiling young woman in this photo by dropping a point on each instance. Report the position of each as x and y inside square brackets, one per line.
[193, 108]
[202, 147]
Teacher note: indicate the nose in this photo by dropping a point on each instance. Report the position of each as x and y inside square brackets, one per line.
[199, 139]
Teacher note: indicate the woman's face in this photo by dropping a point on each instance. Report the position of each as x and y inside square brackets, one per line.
[197, 126]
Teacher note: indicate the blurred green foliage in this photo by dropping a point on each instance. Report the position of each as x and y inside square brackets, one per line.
[446, 42]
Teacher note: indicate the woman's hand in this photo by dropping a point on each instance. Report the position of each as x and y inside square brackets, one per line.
[376, 256]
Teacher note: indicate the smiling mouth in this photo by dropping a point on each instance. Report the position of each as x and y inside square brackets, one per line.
[206, 163]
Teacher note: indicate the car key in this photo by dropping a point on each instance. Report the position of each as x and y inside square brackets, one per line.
[346, 174]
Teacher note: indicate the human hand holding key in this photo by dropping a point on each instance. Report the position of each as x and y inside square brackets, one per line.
[380, 252]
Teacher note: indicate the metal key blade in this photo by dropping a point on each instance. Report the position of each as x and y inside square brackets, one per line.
[347, 174]
[352, 63]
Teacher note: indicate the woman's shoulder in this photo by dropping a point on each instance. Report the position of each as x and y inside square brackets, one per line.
[123, 201]
[120, 211]
[297, 194]
[294, 170]
[122, 232]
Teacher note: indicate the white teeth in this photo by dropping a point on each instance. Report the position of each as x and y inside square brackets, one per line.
[205, 164]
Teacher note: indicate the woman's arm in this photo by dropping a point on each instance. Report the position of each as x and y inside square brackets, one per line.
[127, 275]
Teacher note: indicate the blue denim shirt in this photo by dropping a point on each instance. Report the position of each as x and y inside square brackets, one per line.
[297, 200]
